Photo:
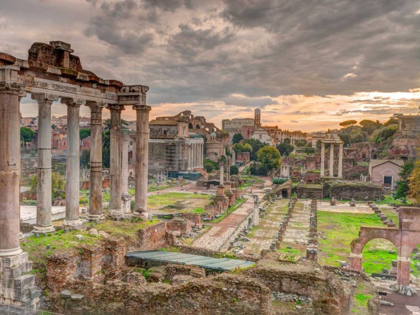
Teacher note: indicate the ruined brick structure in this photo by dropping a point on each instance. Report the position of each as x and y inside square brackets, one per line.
[405, 238]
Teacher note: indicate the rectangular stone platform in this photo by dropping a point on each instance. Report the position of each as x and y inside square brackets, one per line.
[153, 258]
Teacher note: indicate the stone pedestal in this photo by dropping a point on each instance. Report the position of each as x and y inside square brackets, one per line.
[142, 160]
[95, 196]
[72, 220]
[17, 287]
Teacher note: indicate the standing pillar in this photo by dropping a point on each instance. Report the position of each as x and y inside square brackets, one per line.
[125, 196]
[322, 159]
[44, 200]
[9, 163]
[115, 202]
[340, 162]
[222, 174]
[95, 197]
[73, 163]
[331, 160]
[142, 160]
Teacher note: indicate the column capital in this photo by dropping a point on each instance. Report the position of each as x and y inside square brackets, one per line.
[142, 108]
[44, 98]
[76, 102]
[116, 107]
[96, 105]
[12, 88]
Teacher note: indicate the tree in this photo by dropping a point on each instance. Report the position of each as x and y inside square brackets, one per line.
[402, 184]
[106, 146]
[309, 150]
[84, 133]
[287, 140]
[256, 145]
[300, 143]
[348, 126]
[269, 157]
[26, 135]
[383, 134]
[369, 126]
[285, 149]
[414, 183]
[57, 185]
[85, 159]
[237, 137]
[247, 147]
[238, 148]
[209, 165]
[234, 170]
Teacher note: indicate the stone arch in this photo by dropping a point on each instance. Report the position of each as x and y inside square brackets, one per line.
[367, 234]
[190, 125]
[197, 126]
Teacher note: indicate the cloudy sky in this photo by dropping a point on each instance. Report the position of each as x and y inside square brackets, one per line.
[308, 64]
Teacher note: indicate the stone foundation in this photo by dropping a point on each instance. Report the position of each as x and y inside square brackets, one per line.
[17, 287]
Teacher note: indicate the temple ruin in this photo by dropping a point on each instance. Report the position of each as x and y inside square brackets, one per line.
[51, 73]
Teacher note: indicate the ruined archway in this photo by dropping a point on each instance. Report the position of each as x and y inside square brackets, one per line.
[379, 256]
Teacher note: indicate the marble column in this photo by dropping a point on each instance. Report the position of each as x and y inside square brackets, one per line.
[44, 200]
[222, 174]
[331, 159]
[73, 163]
[322, 159]
[95, 197]
[142, 160]
[115, 202]
[9, 162]
[340, 162]
[125, 196]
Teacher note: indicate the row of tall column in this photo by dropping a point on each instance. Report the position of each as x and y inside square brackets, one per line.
[195, 156]
[331, 166]
[10, 165]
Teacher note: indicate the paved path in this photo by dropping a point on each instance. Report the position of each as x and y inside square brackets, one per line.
[263, 235]
[220, 232]
[297, 231]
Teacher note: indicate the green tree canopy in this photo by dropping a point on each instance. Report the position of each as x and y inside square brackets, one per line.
[256, 145]
[383, 134]
[300, 143]
[237, 137]
[402, 184]
[414, 182]
[84, 133]
[26, 134]
[234, 170]
[269, 157]
[369, 126]
[287, 140]
[285, 149]
[238, 147]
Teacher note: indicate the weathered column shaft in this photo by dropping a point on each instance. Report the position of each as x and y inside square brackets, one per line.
[9, 166]
[331, 160]
[124, 157]
[95, 197]
[322, 159]
[73, 162]
[340, 162]
[115, 202]
[222, 174]
[44, 200]
[142, 159]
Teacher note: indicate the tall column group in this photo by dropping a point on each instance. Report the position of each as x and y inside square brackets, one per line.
[331, 166]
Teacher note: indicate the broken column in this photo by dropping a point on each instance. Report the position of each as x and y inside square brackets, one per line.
[95, 197]
[44, 200]
[142, 160]
[125, 196]
[256, 212]
[73, 163]
[115, 202]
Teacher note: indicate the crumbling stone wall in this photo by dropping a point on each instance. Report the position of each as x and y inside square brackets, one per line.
[154, 237]
[222, 294]
[357, 191]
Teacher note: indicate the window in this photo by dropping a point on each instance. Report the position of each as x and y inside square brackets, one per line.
[388, 180]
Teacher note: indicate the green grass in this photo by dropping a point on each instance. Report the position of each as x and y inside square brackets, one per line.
[229, 210]
[156, 202]
[390, 199]
[124, 228]
[340, 229]
[198, 210]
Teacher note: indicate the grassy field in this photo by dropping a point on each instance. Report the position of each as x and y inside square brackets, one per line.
[250, 180]
[340, 229]
[193, 202]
